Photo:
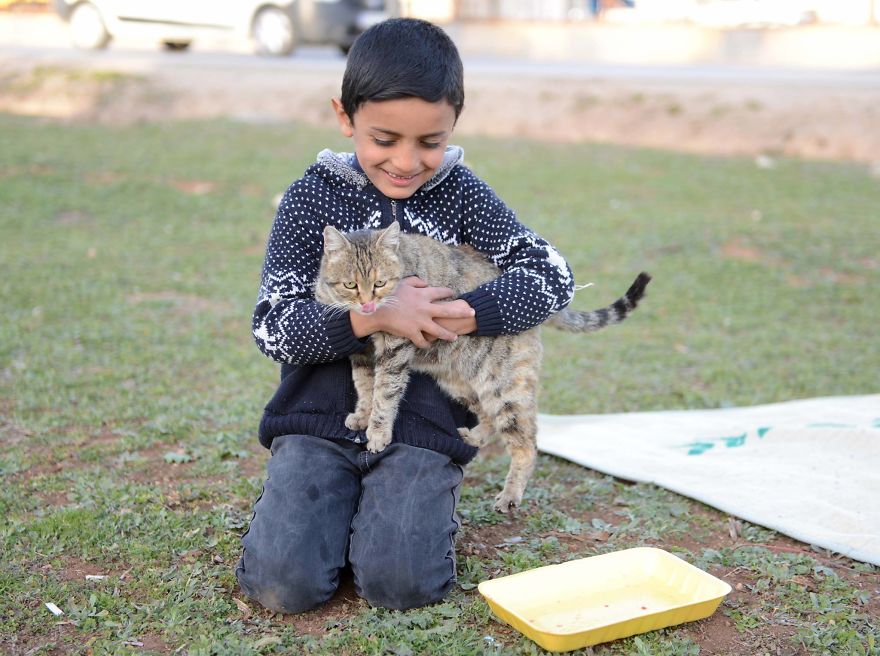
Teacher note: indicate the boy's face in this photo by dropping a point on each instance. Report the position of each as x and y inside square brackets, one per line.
[399, 143]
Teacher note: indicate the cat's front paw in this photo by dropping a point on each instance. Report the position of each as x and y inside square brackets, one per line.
[377, 439]
[506, 500]
[357, 421]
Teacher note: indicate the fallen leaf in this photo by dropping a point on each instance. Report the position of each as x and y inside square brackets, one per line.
[243, 607]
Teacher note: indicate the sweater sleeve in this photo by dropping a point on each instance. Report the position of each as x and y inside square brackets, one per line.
[535, 282]
[289, 325]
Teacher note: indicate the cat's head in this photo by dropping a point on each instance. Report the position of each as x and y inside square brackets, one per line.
[359, 270]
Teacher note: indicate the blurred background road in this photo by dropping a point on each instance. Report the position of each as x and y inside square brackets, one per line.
[809, 90]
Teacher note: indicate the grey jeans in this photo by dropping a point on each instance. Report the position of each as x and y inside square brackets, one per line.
[329, 503]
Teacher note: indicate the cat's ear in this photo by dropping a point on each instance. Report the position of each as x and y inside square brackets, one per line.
[333, 240]
[390, 236]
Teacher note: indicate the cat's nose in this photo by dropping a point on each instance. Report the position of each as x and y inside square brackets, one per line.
[368, 308]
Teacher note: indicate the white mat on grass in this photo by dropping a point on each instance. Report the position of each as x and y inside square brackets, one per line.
[809, 469]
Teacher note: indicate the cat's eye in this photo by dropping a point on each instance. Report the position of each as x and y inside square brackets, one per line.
[379, 283]
[350, 285]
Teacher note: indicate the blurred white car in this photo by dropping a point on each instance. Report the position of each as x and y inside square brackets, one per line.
[275, 27]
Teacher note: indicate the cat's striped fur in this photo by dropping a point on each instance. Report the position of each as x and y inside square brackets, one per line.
[495, 377]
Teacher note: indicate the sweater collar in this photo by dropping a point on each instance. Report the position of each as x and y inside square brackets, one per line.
[346, 166]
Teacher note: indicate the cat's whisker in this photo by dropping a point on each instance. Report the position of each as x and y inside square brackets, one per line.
[333, 310]
[337, 311]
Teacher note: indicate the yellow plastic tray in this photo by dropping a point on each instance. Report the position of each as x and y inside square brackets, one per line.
[603, 598]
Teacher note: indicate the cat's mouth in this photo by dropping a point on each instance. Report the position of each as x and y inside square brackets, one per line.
[367, 308]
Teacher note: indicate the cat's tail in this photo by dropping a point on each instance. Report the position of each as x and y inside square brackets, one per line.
[575, 321]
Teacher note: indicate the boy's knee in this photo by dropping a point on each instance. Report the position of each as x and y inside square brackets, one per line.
[401, 589]
[289, 591]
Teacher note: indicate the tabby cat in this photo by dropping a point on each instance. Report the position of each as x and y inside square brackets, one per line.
[494, 377]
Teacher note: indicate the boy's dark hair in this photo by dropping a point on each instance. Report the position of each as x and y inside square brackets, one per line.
[403, 58]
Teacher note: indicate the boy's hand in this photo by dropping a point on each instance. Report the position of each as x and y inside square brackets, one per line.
[414, 314]
[463, 326]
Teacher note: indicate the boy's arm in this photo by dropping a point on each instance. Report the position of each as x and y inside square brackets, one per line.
[535, 282]
[289, 325]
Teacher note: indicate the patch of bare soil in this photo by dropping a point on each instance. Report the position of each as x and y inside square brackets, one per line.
[729, 117]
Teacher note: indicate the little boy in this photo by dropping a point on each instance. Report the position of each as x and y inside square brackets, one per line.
[327, 502]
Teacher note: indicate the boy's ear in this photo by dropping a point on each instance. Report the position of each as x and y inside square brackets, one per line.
[390, 236]
[345, 124]
[333, 240]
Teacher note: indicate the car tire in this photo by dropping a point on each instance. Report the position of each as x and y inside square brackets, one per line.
[176, 46]
[87, 29]
[273, 32]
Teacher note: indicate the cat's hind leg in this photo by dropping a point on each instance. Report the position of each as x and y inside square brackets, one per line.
[477, 436]
[480, 434]
[465, 395]
[514, 417]
[520, 433]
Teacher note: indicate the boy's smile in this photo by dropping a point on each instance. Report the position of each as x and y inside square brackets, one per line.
[399, 143]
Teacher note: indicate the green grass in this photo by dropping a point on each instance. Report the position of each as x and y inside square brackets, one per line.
[130, 389]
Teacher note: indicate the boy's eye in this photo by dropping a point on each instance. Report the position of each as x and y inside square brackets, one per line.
[379, 283]
[350, 285]
[387, 143]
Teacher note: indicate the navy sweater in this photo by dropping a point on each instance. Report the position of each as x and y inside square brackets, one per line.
[316, 390]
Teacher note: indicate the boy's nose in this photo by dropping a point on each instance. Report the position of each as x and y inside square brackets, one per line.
[406, 161]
